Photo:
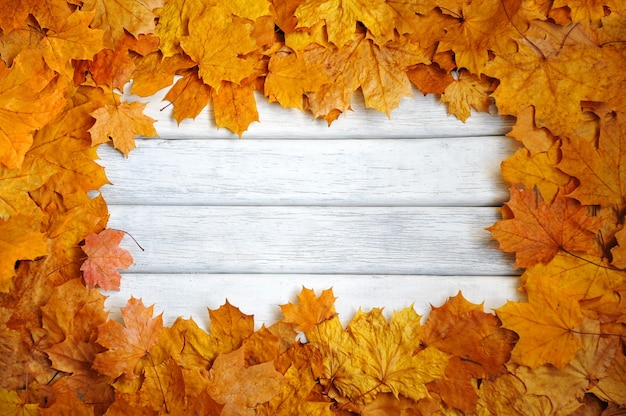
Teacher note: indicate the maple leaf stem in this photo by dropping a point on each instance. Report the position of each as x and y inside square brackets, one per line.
[156, 373]
[131, 236]
[508, 16]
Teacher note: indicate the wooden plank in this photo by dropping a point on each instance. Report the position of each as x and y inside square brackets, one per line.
[419, 116]
[189, 295]
[441, 172]
[318, 240]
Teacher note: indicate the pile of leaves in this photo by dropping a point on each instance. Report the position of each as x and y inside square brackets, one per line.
[555, 65]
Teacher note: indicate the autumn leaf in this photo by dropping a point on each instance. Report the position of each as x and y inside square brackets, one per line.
[311, 310]
[563, 75]
[547, 326]
[579, 278]
[234, 107]
[429, 78]
[535, 139]
[341, 17]
[467, 92]
[11, 404]
[189, 95]
[600, 169]
[128, 344]
[293, 397]
[241, 389]
[566, 387]
[290, 77]
[120, 123]
[538, 231]
[117, 16]
[20, 239]
[467, 36]
[538, 170]
[104, 258]
[612, 388]
[507, 395]
[26, 86]
[66, 401]
[478, 346]
[376, 356]
[228, 57]
[230, 326]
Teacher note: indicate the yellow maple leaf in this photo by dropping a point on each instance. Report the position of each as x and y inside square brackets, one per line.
[189, 96]
[507, 395]
[290, 77]
[538, 170]
[467, 92]
[341, 17]
[563, 74]
[547, 326]
[120, 123]
[117, 16]
[234, 107]
[225, 57]
[376, 356]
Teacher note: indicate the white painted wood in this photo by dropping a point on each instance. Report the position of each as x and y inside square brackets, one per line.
[406, 172]
[318, 240]
[189, 295]
[388, 212]
[417, 117]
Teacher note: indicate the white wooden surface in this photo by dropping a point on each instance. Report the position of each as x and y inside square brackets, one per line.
[388, 212]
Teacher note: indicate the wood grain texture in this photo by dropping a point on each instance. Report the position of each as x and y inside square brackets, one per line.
[318, 240]
[417, 117]
[189, 295]
[388, 212]
[377, 172]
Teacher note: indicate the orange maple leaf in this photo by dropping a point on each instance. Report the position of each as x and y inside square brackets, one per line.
[128, 344]
[230, 326]
[525, 130]
[104, 257]
[30, 96]
[234, 107]
[120, 123]
[311, 311]
[478, 345]
[547, 326]
[20, 239]
[239, 388]
[538, 231]
[600, 169]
